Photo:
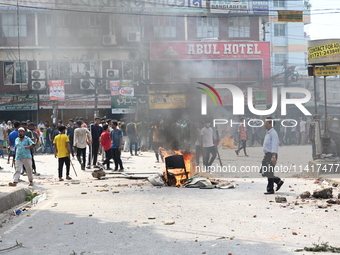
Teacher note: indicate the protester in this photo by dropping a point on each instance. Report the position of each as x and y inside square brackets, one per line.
[131, 130]
[96, 131]
[62, 150]
[117, 142]
[23, 157]
[208, 145]
[270, 149]
[105, 142]
[11, 140]
[242, 137]
[82, 138]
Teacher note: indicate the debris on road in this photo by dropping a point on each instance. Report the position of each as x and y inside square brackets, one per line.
[280, 199]
[324, 193]
[305, 194]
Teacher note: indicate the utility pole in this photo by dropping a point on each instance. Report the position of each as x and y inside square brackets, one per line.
[54, 71]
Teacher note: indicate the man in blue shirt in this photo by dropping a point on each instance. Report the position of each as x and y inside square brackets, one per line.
[11, 139]
[270, 149]
[116, 138]
[23, 157]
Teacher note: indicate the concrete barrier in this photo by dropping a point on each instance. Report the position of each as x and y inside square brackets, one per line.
[12, 199]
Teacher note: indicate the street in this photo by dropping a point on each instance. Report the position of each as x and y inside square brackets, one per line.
[127, 216]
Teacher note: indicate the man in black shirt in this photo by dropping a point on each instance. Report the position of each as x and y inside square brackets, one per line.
[96, 131]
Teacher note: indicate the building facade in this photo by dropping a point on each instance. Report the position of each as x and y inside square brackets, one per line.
[118, 56]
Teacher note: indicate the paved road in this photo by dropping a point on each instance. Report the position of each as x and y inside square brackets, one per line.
[124, 216]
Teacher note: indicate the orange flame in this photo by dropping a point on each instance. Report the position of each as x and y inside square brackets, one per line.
[227, 142]
[179, 173]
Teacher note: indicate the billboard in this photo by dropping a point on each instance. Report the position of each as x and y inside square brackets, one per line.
[325, 51]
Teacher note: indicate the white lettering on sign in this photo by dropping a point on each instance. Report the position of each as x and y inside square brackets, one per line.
[206, 49]
[228, 49]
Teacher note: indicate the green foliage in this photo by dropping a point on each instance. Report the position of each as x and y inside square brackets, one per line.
[31, 196]
[321, 248]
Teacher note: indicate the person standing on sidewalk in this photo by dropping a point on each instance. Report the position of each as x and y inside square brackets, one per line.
[23, 157]
[62, 150]
[105, 142]
[242, 138]
[270, 149]
[117, 141]
[82, 138]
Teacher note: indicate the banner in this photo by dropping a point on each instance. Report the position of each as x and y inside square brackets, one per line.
[327, 70]
[127, 88]
[15, 102]
[122, 104]
[165, 101]
[114, 88]
[290, 16]
[76, 101]
[260, 99]
[57, 90]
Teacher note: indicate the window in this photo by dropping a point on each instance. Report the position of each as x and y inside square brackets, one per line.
[65, 70]
[62, 23]
[279, 3]
[88, 25]
[279, 59]
[131, 23]
[239, 27]
[279, 29]
[164, 26]
[15, 73]
[207, 27]
[13, 25]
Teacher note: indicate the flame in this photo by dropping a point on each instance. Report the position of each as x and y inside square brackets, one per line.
[179, 173]
[227, 142]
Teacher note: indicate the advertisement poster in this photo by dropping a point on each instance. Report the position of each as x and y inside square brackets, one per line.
[57, 90]
[76, 101]
[127, 88]
[16, 102]
[114, 88]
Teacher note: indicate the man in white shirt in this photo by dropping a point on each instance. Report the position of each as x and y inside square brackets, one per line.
[270, 149]
[82, 137]
[207, 135]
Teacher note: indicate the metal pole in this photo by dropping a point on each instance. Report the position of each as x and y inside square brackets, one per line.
[325, 96]
[315, 94]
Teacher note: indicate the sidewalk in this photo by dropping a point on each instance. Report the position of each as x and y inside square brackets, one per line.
[124, 216]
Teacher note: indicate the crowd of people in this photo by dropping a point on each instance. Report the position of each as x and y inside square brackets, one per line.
[86, 141]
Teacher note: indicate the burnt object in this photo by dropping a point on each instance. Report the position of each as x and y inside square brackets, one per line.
[174, 162]
[324, 193]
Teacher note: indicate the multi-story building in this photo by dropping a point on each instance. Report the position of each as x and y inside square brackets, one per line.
[288, 39]
[113, 55]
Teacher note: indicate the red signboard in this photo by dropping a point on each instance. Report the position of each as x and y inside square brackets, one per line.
[213, 51]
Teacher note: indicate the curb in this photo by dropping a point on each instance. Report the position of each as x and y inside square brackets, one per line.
[13, 199]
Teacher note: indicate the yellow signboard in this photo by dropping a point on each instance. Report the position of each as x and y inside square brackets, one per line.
[327, 70]
[166, 101]
[324, 50]
[290, 16]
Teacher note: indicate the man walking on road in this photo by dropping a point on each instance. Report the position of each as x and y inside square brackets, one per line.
[116, 137]
[23, 157]
[82, 137]
[270, 149]
[62, 150]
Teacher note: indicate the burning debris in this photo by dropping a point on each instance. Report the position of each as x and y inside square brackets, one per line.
[227, 142]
